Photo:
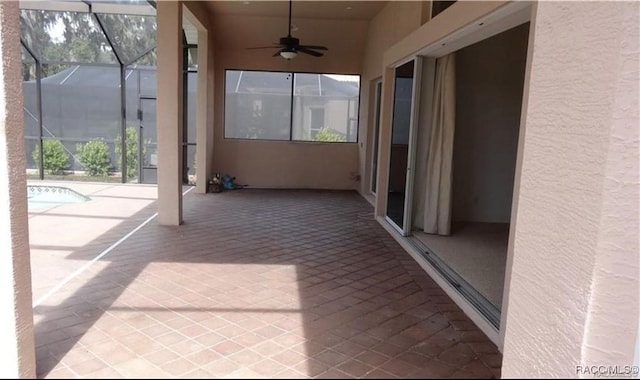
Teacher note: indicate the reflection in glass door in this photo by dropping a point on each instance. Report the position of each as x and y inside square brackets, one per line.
[148, 158]
[402, 147]
[376, 133]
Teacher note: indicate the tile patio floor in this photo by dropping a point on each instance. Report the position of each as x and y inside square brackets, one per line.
[255, 284]
[63, 238]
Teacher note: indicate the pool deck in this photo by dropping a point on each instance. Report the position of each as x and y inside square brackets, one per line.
[254, 284]
[63, 238]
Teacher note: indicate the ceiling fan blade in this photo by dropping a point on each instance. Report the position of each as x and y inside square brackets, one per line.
[275, 46]
[303, 49]
[314, 47]
[290, 45]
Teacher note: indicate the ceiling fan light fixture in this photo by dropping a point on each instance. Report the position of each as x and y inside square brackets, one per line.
[288, 54]
[290, 46]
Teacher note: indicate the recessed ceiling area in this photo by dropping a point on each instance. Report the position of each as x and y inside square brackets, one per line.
[336, 24]
[351, 10]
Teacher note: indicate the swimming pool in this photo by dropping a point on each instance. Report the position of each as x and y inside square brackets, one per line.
[39, 197]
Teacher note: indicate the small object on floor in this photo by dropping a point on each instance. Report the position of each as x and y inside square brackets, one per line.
[215, 184]
[229, 184]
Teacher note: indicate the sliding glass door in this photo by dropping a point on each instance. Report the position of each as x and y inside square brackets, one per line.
[400, 180]
[376, 133]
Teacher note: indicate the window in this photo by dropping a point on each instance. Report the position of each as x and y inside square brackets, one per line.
[317, 121]
[261, 105]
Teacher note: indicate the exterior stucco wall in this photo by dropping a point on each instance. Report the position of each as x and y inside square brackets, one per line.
[17, 353]
[395, 21]
[489, 81]
[573, 291]
[169, 112]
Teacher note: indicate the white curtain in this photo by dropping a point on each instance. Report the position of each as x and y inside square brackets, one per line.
[437, 205]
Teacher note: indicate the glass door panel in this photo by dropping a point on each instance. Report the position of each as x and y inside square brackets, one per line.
[400, 136]
[376, 133]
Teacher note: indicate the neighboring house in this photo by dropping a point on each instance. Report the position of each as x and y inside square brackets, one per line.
[257, 105]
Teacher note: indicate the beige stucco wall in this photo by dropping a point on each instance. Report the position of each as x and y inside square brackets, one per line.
[17, 353]
[169, 112]
[395, 21]
[573, 290]
[284, 164]
[199, 17]
[489, 80]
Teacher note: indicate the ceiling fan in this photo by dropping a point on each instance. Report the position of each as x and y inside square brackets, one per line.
[290, 46]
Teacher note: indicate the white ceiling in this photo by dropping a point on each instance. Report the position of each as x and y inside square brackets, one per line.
[260, 23]
[350, 10]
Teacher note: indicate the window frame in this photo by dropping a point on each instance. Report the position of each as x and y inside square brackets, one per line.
[292, 94]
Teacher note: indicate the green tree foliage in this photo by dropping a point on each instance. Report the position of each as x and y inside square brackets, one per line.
[94, 157]
[327, 135]
[132, 151]
[132, 36]
[55, 158]
[82, 40]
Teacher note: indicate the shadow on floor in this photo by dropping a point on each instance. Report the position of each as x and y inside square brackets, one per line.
[260, 283]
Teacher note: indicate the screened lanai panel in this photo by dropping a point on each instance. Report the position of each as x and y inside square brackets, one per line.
[148, 84]
[81, 104]
[140, 82]
[257, 105]
[64, 37]
[26, 57]
[31, 125]
[192, 105]
[133, 36]
[132, 94]
[130, 7]
[191, 112]
[325, 108]
[30, 100]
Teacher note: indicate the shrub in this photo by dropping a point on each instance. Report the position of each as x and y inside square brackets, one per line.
[54, 156]
[327, 135]
[132, 151]
[94, 157]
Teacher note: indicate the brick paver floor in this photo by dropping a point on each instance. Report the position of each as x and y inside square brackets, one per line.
[255, 284]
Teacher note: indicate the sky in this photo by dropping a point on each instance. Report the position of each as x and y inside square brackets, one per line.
[344, 78]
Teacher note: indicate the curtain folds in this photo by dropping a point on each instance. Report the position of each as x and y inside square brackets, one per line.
[438, 191]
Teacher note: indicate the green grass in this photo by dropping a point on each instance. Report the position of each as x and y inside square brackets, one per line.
[77, 178]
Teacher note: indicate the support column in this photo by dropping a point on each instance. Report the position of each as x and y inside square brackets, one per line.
[204, 120]
[197, 14]
[169, 114]
[571, 300]
[17, 352]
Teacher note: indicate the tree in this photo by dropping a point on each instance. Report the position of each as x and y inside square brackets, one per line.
[94, 157]
[131, 143]
[54, 157]
[83, 41]
[325, 134]
[132, 36]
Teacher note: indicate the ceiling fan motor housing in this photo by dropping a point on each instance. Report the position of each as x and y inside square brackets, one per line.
[290, 46]
[289, 41]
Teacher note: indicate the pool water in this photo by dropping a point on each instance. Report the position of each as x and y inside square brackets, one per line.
[39, 197]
